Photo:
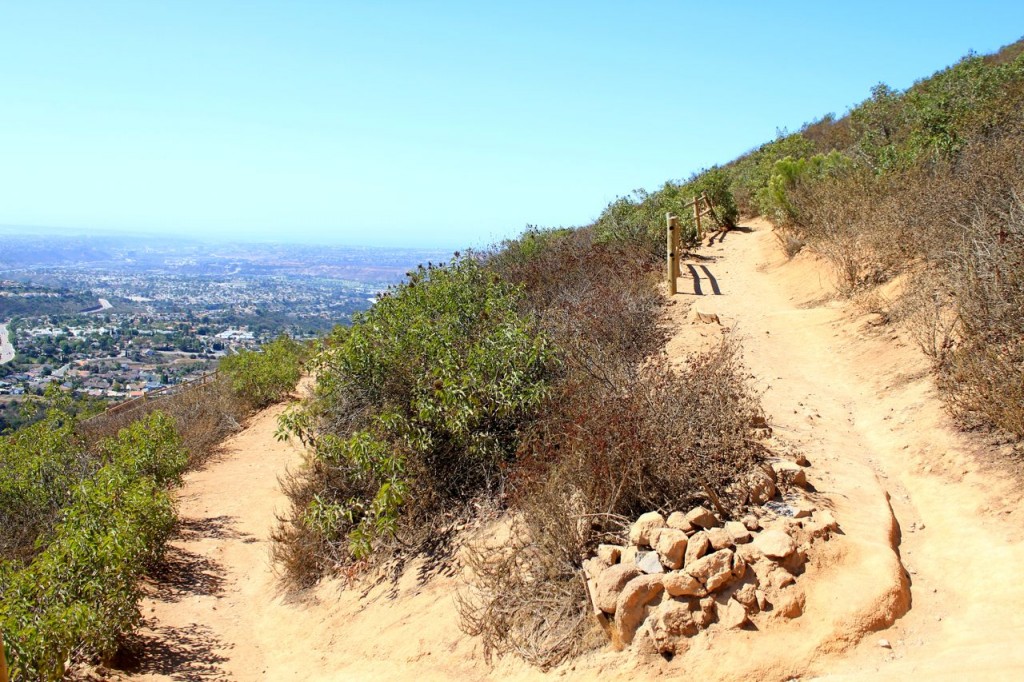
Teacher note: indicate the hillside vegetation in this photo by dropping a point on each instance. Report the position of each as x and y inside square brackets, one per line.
[926, 184]
[86, 509]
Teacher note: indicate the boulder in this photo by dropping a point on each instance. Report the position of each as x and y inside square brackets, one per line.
[628, 555]
[701, 518]
[714, 570]
[747, 596]
[751, 523]
[682, 584]
[639, 532]
[738, 533]
[760, 487]
[779, 578]
[802, 460]
[708, 611]
[748, 553]
[671, 547]
[774, 544]
[696, 547]
[789, 474]
[789, 603]
[732, 616]
[648, 562]
[609, 554]
[609, 585]
[671, 621]
[631, 607]
[677, 520]
[719, 538]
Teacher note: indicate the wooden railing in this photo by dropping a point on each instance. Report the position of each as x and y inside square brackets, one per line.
[158, 394]
[702, 206]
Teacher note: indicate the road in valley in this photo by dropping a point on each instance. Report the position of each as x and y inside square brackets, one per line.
[6, 348]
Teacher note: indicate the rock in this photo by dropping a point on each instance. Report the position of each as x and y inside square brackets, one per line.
[648, 562]
[708, 611]
[678, 521]
[719, 538]
[802, 509]
[670, 622]
[609, 554]
[778, 578]
[701, 517]
[652, 537]
[789, 603]
[802, 460]
[738, 533]
[821, 525]
[762, 599]
[751, 523]
[732, 616]
[696, 547]
[760, 487]
[609, 585]
[639, 531]
[884, 643]
[706, 317]
[747, 595]
[631, 607]
[748, 553]
[774, 544]
[593, 566]
[682, 584]
[789, 474]
[739, 567]
[671, 547]
[628, 555]
[714, 570]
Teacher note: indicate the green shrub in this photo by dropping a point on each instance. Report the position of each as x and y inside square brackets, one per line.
[417, 409]
[39, 467]
[773, 199]
[80, 593]
[265, 376]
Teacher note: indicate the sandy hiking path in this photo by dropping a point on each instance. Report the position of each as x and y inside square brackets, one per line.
[927, 559]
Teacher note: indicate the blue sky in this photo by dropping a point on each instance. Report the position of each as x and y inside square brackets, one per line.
[422, 123]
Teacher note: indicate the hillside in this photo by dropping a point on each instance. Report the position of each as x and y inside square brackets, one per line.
[536, 460]
[925, 515]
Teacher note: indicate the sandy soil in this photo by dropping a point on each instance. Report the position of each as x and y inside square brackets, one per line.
[928, 558]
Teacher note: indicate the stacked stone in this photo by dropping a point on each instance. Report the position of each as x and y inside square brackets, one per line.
[680, 575]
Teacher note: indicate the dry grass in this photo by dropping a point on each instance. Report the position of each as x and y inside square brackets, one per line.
[204, 416]
[659, 440]
[955, 228]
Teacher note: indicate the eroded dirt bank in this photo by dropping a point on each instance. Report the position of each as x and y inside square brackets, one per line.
[924, 526]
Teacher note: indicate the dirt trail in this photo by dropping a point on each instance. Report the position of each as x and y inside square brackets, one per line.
[924, 525]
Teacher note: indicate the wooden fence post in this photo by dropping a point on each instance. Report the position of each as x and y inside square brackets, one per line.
[3, 661]
[696, 217]
[671, 263]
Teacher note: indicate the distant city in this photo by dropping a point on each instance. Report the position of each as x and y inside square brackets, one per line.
[115, 317]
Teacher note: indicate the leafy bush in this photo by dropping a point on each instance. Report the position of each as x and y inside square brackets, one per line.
[639, 220]
[417, 409]
[787, 173]
[265, 376]
[80, 593]
[40, 465]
